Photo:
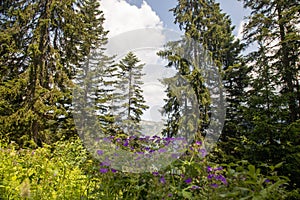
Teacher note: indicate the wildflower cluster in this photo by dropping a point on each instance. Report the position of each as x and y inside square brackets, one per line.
[187, 173]
[216, 174]
[48, 172]
[139, 153]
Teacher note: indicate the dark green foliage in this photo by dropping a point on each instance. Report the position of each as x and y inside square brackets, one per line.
[204, 22]
[107, 95]
[42, 44]
[274, 26]
[187, 105]
[290, 149]
[235, 82]
[273, 98]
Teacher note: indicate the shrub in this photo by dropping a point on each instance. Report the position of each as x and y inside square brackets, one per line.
[66, 171]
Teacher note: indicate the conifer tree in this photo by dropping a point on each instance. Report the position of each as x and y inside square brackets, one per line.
[96, 75]
[131, 101]
[187, 97]
[274, 25]
[273, 101]
[42, 47]
[107, 95]
[204, 22]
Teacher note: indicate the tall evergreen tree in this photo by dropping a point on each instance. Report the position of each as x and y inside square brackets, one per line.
[42, 46]
[273, 101]
[187, 97]
[274, 25]
[203, 21]
[132, 103]
[106, 95]
[96, 74]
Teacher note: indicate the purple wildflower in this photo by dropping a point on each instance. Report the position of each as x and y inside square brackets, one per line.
[195, 187]
[155, 173]
[147, 148]
[103, 170]
[100, 152]
[175, 155]
[132, 137]
[221, 178]
[218, 169]
[170, 139]
[138, 158]
[198, 143]
[163, 180]
[214, 185]
[113, 170]
[126, 143]
[188, 181]
[210, 176]
[209, 169]
[105, 163]
[203, 152]
[162, 150]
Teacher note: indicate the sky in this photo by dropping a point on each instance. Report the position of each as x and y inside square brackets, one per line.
[136, 13]
[135, 25]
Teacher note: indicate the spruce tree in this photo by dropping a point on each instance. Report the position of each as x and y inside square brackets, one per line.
[107, 95]
[96, 75]
[187, 98]
[131, 101]
[43, 47]
[274, 25]
[204, 22]
[273, 101]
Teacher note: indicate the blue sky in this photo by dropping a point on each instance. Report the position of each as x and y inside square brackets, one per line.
[233, 8]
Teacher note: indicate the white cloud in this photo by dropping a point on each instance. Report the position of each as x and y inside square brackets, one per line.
[240, 30]
[122, 17]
